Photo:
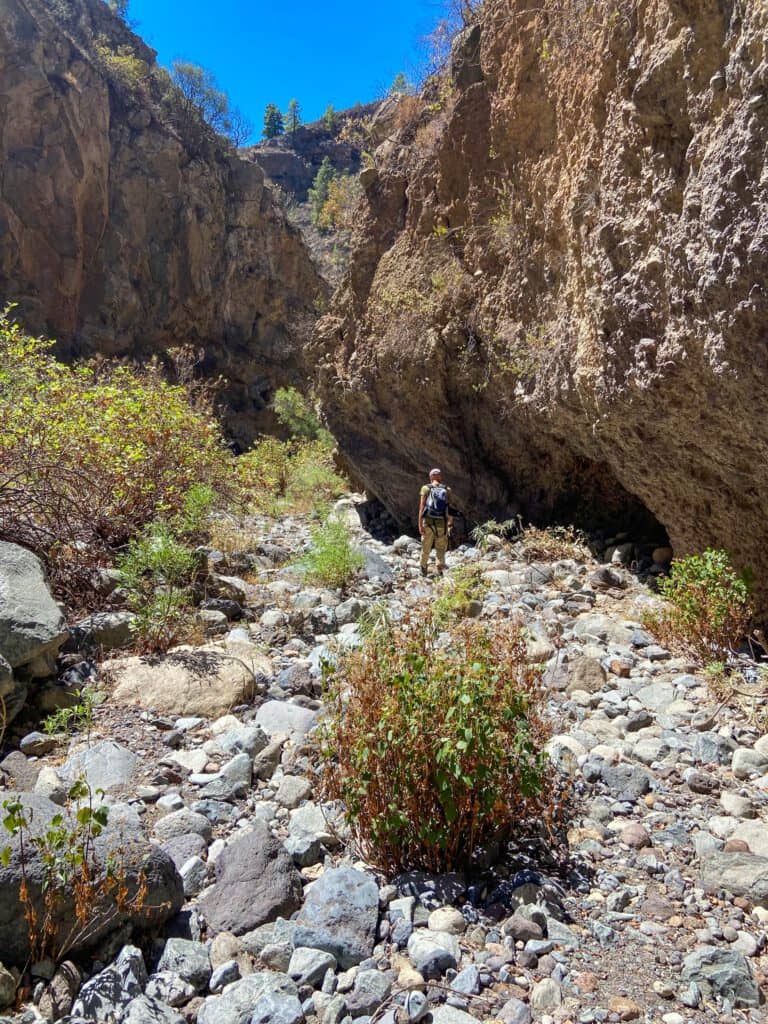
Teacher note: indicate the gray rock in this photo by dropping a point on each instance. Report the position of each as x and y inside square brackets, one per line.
[724, 973]
[467, 982]
[7, 988]
[183, 823]
[712, 748]
[371, 989]
[106, 765]
[225, 974]
[626, 782]
[277, 1008]
[546, 995]
[236, 1004]
[147, 1010]
[184, 847]
[308, 966]
[35, 744]
[246, 739]
[32, 627]
[194, 876]
[340, 915]
[292, 790]
[446, 1014]
[277, 717]
[742, 874]
[256, 882]
[105, 630]
[514, 1012]
[374, 566]
[746, 762]
[190, 960]
[433, 953]
[170, 988]
[109, 992]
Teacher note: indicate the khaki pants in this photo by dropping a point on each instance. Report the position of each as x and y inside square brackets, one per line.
[435, 535]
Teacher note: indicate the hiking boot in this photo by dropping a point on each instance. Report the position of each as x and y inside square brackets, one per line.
[441, 569]
[423, 571]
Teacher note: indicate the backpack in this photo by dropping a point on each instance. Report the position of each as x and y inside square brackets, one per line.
[437, 502]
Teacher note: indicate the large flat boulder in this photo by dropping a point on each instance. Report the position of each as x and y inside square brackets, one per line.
[32, 627]
[256, 882]
[205, 681]
[142, 862]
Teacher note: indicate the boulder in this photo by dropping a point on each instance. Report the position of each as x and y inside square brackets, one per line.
[205, 681]
[236, 1004]
[32, 627]
[105, 996]
[740, 873]
[139, 859]
[722, 972]
[340, 916]
[277, 717]
[106, 765]
[256, 882]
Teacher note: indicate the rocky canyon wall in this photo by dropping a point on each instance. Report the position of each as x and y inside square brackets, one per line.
[558, 292]
[127, 231]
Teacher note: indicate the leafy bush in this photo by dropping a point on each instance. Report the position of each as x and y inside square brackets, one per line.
[435, 748]
[298, 417]
[331, 559]
[122, 66]
[90, 454]
[157, 570]
[287, 476]
[193, 518]
[491, 528]
[70, 865]
[78, 716]
[338, 211]
[463, 586]
[709, 608]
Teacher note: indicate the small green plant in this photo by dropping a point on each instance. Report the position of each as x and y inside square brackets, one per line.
[77, 718]
[435, 747]
[197, 505]
[709, 606]
[122, 66]
[331, 560]
[73, 894]
[463, 587]
[494, 528]
[157, 570]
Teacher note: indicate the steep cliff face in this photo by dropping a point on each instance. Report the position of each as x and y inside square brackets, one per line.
[126, 230]
[559, 288]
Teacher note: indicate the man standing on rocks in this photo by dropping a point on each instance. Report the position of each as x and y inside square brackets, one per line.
[435, 520]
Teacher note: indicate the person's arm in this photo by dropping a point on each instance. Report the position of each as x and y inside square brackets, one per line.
[422, 503]
[449, 514]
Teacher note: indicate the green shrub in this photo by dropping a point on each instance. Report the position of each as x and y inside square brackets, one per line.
[90, 454]
[59, 864]
[122, 66]
[298, 417]
[192, 521]
[709, 608]
[287, 476]
[331, 559]
[462, 587]
[157, 570]
[79, 717]
[435, 748]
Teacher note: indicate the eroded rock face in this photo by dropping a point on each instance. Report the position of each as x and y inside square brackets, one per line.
[125, 234]
[558, 292]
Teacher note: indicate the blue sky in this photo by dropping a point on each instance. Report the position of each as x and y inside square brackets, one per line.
[339, 52]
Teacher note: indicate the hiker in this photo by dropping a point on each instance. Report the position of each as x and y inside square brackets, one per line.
[435, 520]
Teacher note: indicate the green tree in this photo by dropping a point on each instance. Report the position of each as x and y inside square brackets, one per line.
[293, 116]
[318, 194]
[400, 86]
[273, 122]
[329, 118]
[200, 94]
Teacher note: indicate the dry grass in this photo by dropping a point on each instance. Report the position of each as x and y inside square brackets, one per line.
[553, 544]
